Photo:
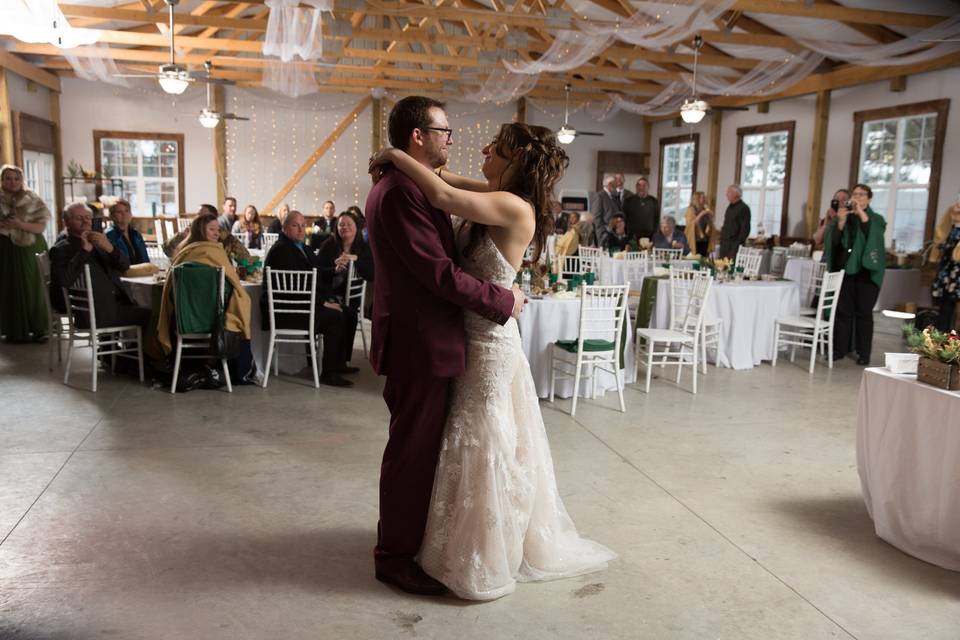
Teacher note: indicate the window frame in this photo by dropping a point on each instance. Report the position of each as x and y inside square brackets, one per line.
[941, 108]
[790, 127]
[99, 134]
[684, 139]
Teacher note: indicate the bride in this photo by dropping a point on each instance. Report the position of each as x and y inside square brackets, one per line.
[495, 516]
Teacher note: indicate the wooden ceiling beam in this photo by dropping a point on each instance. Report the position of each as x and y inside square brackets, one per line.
[877, 33]
[23, 68]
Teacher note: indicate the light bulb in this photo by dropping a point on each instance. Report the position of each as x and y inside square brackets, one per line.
[692, 111]
[566, 135]
[209, 119]
[174, 86]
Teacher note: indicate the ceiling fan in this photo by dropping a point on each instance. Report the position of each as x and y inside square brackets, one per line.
[174, 78]
[567, 134]
[210, 117]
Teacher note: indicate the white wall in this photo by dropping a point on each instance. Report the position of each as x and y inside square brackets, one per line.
[86, 106]
[844, 102]
[27, 97]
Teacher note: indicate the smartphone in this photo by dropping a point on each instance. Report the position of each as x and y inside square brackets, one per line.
[98, 225]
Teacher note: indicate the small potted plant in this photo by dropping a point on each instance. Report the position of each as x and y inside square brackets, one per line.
[939, 352]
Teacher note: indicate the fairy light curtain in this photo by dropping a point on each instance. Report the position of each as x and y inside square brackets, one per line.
[473, 128]
[282, 132]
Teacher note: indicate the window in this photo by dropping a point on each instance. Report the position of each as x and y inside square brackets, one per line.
[897, 153]
[678, 174]
[763, 173]
[150, 165]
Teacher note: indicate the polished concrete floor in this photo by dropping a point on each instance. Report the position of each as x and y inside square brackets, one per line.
[132, 514]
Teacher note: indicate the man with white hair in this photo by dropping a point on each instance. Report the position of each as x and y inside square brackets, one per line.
[736, 223]
[79, 245]
[605, 206]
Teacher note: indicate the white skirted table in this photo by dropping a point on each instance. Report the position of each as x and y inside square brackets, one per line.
[546, 320]
[612, 271]
[747, 311]
[908, 458]
[799, 270]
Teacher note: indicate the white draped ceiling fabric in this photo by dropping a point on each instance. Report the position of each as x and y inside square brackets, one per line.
[42, 22]
[99, 68]
[293, 32]
[912, 49]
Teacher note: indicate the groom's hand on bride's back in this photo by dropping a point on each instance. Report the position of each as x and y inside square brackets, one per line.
[518, 301]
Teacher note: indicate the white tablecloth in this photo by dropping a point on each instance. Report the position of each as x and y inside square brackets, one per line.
[140, 289]
[908, 458]
[547, 320]
[747, 311]
[799, 270]
[611, 271]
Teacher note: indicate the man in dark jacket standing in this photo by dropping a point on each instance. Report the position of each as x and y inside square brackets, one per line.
[736, 223]
[642, 211]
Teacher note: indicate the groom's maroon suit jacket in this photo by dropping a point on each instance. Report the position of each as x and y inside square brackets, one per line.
[419, 292]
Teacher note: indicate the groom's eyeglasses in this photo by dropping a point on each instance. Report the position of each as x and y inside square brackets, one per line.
[449, 132]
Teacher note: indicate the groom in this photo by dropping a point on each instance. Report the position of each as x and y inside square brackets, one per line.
[418, 337]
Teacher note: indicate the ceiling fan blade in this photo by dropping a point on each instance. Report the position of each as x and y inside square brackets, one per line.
[232, 116]
[714, 108]
[134, 75]
[588, 133]
[201, 77]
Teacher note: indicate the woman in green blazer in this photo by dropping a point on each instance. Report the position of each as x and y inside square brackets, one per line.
[854, 243]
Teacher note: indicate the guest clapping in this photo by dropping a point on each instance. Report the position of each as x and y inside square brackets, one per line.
[946, 255]
[249, 225]
[668, 237]
[616, 238]
[124, 237]
[23, 218]
[346, 245]
[839, 201]
[854, 244]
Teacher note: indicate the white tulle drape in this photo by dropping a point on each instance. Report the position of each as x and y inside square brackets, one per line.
[666, 102]
[659, 24]
[501, 86]
[910, 50]
[99, 68]
[570, 49]
[767, 78]
[293, 32]
[42, 21]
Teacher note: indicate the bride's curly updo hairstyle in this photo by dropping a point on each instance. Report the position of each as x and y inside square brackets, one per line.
[542, 162]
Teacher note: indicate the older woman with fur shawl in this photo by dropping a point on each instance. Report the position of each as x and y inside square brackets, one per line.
[23, 218]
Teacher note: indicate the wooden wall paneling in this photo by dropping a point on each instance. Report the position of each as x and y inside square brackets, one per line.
[621, 162]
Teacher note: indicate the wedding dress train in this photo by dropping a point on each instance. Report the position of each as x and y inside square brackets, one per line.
[496, 517]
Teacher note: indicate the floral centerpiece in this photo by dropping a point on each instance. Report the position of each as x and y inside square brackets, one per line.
[939, 352]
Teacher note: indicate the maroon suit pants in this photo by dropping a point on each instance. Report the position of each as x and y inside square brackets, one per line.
[418, 410]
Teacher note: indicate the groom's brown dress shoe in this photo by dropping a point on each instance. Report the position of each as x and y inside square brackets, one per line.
[409, 577]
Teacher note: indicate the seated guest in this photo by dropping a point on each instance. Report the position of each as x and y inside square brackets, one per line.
[276, 226]
[229, 213]
[668, 237]
[616, 238]
[586, 232]
[234, 248]
[79, 245]
[202, 246]
[249, 225]
[345, 246]
[361, 221]
[124, 237]
[328, 220]
[336, 323]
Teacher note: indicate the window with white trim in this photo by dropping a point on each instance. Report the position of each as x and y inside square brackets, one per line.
[764, 167]
[149, 169]
[677, 177]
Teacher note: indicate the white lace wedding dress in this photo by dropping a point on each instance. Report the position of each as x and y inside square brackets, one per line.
[495, 515]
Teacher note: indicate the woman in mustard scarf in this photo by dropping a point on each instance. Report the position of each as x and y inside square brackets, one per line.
[946, 255]
[23, 218]
[854, 243]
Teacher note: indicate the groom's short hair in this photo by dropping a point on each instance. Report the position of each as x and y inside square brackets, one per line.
[412, 112]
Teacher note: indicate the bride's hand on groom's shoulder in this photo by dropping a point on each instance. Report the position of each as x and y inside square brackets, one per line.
[378, 161]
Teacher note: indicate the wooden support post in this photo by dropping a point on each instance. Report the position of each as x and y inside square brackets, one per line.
[898, 84]
[763, 107]
[219, 145]
[317, 154]
[6, 122]
[821, 123]
[713, 166]
[677, 122]
[521, 110]
[57, 157]
[376, 125]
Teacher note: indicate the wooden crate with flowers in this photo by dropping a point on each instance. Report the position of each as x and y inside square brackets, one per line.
[939, 351]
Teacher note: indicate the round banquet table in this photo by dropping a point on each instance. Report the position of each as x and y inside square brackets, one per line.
[611, 270]
[800, 270]
[908, 458]
[747, 310]
[547, 320]
[141, 289]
